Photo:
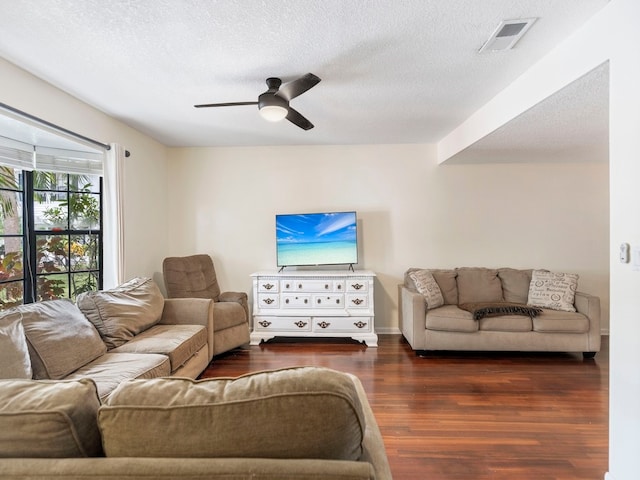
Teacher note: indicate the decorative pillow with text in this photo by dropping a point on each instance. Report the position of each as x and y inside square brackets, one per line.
[428, 287]
[555, 291]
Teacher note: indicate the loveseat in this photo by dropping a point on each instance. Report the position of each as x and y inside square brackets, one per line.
[501, 309]
[108, 336]
[296, 423]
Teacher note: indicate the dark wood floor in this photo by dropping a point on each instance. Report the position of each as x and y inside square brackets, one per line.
[465, 416]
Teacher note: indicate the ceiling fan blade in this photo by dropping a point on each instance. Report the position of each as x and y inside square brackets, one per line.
[229, 104]
[299, 86]
[294, 117]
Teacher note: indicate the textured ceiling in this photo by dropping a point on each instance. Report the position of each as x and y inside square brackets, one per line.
[392, 71]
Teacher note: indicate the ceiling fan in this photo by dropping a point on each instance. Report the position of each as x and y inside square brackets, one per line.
[274, 103]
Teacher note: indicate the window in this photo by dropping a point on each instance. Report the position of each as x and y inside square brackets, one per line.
[50, 235]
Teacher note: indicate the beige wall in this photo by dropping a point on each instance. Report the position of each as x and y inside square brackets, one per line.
[412, 212]
[145, 171]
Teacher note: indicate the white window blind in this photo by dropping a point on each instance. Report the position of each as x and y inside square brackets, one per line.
[68, 161]
[28, 143]
[16, 154]
[24, 156]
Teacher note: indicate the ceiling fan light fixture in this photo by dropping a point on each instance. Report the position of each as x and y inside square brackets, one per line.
[273, 107]
[273, 113]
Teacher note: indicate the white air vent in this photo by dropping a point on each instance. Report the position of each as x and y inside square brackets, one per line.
[507, 34]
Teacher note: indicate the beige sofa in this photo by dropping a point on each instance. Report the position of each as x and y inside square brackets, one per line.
[298, 423]
[109, 336]
[502, 309]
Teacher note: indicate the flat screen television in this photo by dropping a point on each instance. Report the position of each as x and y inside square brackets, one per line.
[306, 239]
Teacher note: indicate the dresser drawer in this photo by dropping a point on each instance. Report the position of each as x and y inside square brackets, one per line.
[268, 285]
[355, 285]
[297, 324]
[268, 300]
[291, 300]
[342, 324]
[357, 301]
[329, 301]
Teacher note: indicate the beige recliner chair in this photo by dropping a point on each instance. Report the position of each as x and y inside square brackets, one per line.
[195, 277]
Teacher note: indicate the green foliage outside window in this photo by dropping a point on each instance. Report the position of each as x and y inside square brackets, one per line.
[67, 239]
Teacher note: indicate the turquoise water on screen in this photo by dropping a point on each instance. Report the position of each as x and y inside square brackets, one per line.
[317, 253]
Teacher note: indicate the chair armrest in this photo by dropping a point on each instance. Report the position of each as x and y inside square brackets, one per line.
[589, 306]
[412, 315]
[238, 297]
[190, 311]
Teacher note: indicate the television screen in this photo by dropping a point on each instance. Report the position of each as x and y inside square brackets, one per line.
[316, 239]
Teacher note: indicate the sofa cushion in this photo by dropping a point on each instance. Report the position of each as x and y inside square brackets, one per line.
[428, 287]
[449, 318]
[553, 290]
[123, 312]
[478, 285]
[111, 369]
[14, 353]
[560, 322]
[515, 284]
[178, 342]
[49, 419]
[506, 323]
[60, 338]
[305, 412]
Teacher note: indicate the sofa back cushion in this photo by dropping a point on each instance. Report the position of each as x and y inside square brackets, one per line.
[60, 338]
[49, 419]
[515, 284]
[123, 312]
[478, 285]
[14, 353]
[304, 412]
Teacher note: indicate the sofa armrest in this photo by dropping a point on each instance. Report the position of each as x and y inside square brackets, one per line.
[589, 306]
[238, 297]
[190, 311]
[413, 314]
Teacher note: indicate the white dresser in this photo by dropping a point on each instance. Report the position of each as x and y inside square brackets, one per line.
[314, 303]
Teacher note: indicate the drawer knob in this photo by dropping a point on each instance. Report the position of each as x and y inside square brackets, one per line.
[300, 286]
[268, 301]
[264, 323]
[357, 301]
[360, 324]
[268, 286]
[300, 324]
[287, 286]
[357, 286]
[323, 324]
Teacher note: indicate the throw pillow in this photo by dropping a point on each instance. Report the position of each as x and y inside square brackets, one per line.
[478, 285]
[304, 412]
[123, 312]
[49, 419]
[60, 338]
[14, 353]
[427, 286]
[555, 291]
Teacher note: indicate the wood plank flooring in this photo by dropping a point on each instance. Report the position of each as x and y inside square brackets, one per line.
[465, 416]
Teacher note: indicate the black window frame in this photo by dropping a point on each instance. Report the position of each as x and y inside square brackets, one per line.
[31, 235]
